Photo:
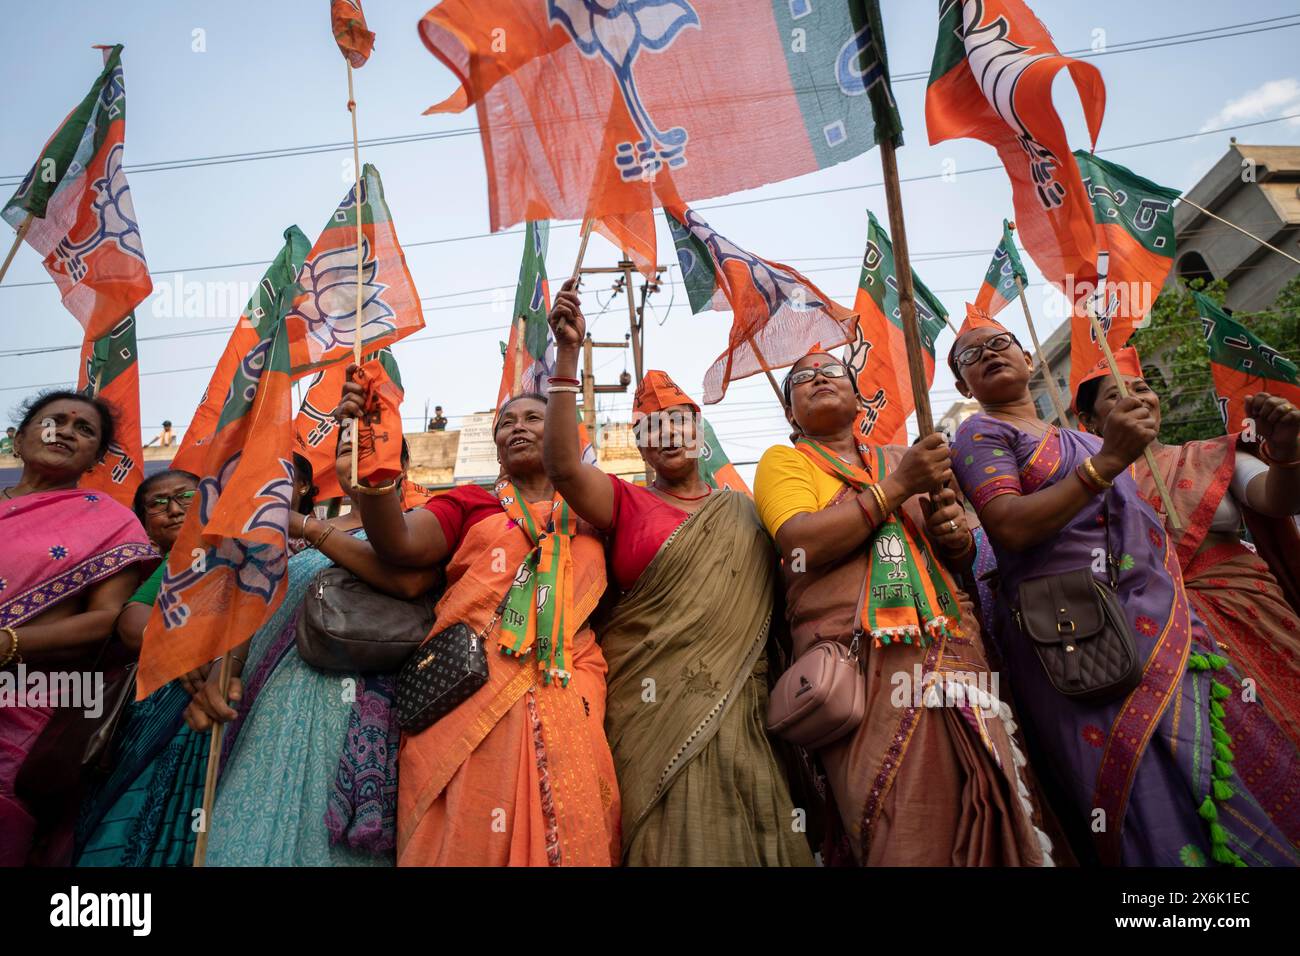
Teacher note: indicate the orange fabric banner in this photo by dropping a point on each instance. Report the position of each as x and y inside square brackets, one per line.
[349, 24]
[991, 80]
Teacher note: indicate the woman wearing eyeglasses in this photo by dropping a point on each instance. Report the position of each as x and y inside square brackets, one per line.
[932, 775]
[123, 820]
[1250, 600]
[1185, 769]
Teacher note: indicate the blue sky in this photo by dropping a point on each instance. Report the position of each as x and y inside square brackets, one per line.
[270, 76]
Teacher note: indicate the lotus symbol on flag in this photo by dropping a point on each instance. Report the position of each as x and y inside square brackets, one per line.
[257, 568]
[998, 63]
[114, 222]
[616, 31]
[329, 306]
[889, 549]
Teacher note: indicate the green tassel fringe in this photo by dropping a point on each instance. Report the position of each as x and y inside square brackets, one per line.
[1222, 769]
[1216, 709]
[1222, 791]
[1219, 691]
[1208, 810]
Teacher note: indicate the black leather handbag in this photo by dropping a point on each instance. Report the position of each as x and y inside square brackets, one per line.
[1079, 631]
[348, 626]
[444, 673]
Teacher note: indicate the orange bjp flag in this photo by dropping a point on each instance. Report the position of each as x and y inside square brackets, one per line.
[257, 322]
[350, 33]
[776, 312]
[322, 323]
[226, 573]
[110, 370]
[583, 103]
[991, 80]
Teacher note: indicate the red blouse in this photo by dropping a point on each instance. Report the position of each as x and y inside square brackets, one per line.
[642, 523]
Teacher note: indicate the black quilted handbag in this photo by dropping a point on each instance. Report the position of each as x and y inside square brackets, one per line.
[444, 673]
[1080, 633]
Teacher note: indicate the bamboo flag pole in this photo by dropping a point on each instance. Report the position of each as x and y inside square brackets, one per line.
[767, 370]
[210, 780]
[906, 293]
[1052, 390]
[356, 165]
[517, 360]
[1233, 225]
[18, 241]
[1175, 519]
[582, 249]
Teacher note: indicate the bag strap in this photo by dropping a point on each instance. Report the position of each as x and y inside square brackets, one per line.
[1111, 563]
[858, 633]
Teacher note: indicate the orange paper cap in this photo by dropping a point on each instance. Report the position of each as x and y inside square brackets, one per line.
[1126, 359]
[657, 391]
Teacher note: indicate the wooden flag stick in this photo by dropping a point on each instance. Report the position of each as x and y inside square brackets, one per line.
[1231, 225]
[1053, 392]
[356, 165]
[214, 762]
[517, 369]
[18, 241]
[906, 293]
[767, 370]
[582, 249]
[1162, 489]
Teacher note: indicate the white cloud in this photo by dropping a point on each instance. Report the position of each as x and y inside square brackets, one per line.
[1272, 98]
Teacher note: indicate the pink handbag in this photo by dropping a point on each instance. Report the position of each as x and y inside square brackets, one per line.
[823, 695]
[821, 698]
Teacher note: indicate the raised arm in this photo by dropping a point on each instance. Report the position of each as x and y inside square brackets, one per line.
[1019, 522]
[585, 487]
[360, 558]
[406, 539]
[1276, 492]
[823, 537]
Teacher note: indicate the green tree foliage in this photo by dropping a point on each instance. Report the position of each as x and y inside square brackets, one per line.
[1176, 362]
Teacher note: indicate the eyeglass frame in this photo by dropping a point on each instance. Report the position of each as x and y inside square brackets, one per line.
[983, 346]
[182, 499]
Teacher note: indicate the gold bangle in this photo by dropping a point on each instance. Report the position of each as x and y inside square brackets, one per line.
[329, 530]
[1095, 475]
[380, 490]
[12, 657]
[882, 500]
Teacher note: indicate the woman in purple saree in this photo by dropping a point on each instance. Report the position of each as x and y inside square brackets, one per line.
[1186, 769]
[68, 562]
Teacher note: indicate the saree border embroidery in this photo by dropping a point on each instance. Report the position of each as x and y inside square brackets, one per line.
[25, 606]
[1043, 463]
[893, 758]
[554, 856]
[1139, 715]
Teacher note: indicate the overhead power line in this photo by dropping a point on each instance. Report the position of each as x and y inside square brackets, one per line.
[1224, 32]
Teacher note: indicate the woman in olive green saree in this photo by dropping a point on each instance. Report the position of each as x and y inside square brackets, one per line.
[686, 692]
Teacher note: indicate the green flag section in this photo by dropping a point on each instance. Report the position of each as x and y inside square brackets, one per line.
[109, 369]
[83, 223]
[1134, 220]
[256, 323]
[877, 355]
[582, 104]
[315, 429]
[530, 358]
[715, 467]
[323, 323]
[777, 314]
[999, 286]
[225, 575]
[1242, 364]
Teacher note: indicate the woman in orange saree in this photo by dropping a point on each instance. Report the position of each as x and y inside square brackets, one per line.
[1250, 600]
[520, 774]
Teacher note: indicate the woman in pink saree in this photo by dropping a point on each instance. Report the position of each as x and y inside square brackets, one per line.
[70, 560]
